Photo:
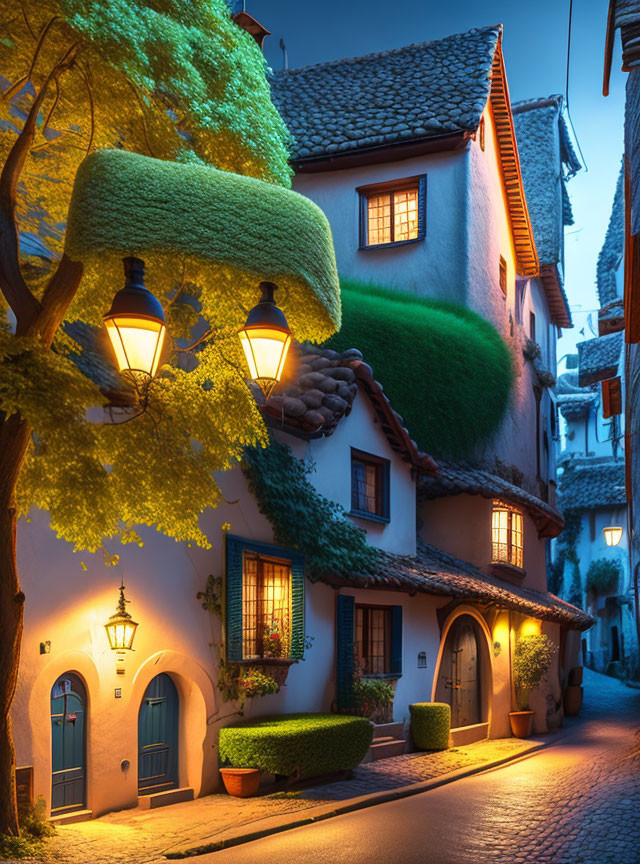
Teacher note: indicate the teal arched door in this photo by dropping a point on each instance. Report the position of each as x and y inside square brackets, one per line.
[68, 745]
[158, 737]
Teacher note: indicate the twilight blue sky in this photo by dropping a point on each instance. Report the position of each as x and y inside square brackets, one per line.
[535, 47]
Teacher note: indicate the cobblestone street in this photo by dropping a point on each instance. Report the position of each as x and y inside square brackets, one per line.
[574, 803]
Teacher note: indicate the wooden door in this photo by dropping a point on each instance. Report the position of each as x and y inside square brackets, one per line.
[68, 720]
[466, 674]
[158, 736]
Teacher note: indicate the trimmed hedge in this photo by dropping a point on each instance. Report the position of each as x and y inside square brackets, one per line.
[305, 745]
[430, 725]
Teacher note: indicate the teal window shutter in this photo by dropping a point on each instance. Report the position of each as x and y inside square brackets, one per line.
[395, 666]
[345, 614]
[233, 622]
[297, 607]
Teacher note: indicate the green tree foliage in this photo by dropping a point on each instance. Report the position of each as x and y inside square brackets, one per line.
[567, 551]
[531, 661]
[602, 576]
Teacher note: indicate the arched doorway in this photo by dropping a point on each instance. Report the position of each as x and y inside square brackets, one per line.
[460, 676]
[68, 744]
[158, 736]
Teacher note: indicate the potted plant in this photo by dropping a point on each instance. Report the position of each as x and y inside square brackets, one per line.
[531, 661]
[241, 782]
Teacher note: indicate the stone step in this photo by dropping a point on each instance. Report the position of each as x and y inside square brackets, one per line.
[70, 818]
[163, 799]
[383, 738]
[386, 749]
[395, 730]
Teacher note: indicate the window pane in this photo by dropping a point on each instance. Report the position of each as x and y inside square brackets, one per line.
[500, 534]
[405, 215]
[275, 609]
[372, 640]
[516, 538]
[249, 607]
[378, 219]
[364, 477]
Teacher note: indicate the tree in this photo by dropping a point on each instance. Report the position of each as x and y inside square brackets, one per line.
[171, 79]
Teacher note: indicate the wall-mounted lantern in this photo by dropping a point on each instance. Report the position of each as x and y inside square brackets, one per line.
[121, 629]
[612, 535]
[266, 339]
[135, 324]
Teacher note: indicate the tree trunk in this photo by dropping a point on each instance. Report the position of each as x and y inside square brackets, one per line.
[14, 439]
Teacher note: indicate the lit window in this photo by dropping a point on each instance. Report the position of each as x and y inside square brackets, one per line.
[506, 535]
[266, 607]
[372, 640]
[392, 212]
[481, 133]
[503, 276]
[369, 485]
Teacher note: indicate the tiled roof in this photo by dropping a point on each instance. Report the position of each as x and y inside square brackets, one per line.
[599, 358]
[466, 479]
[420, 91]
[544, 146]
[432, 571]
[575, 405]
[588, 483]
[318, 390]
[612, 248]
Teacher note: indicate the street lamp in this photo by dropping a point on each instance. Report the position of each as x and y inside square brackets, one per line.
[265, 340]
[135, 324]
[612, 535]
[121, 629]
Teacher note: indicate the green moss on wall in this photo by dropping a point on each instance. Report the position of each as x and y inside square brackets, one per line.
[444, 368]
[302, 518]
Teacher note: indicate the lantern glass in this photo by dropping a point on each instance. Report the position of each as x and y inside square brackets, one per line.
[612, 535]
[120, 632]
[265, 350]
[137, 342]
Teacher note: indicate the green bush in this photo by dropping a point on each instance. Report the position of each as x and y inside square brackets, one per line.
[372, 695]
[531, 661]
[305, 745]
[430, 725]
[34, 828]
[602, 576]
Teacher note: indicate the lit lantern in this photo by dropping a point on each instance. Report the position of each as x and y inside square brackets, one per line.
[612, 535]
[135, 323]
[265, 339]
[121, 628]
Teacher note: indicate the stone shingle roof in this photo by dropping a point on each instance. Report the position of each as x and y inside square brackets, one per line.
[433, 571]
[466, 479]
[599, 358]
[573, 406]
[545, 147]
[612, 248]
[586, 484]
[318, 389]
[420, 91]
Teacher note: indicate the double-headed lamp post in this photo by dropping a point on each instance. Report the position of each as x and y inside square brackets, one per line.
[265, 340]
[135, 324]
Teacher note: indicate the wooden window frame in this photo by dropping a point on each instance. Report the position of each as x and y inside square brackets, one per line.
[419, 182]
[261, 560]
[532, 325]
[481, 133]
[367, 609]
[383, 471]
[504, 505]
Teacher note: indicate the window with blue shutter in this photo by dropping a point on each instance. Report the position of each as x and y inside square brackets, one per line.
[378, 640]
[345, 613]
[264, 601]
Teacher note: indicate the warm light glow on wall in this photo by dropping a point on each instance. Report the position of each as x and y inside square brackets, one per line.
[530, 627]
[612, 535]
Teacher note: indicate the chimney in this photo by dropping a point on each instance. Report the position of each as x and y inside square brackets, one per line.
[248, 23]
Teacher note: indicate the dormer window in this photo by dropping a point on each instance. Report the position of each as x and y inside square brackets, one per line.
[392, 213]
[506, 535]
[369, 486]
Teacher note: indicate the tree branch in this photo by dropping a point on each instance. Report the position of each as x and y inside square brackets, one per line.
[199, 341]
[58, 294]
[87, 83]
[15, 289]
[145, 129]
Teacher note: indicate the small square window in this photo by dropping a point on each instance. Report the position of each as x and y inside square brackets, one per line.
[392, 213]
[503, 276]
[506, 535]
[369, 486]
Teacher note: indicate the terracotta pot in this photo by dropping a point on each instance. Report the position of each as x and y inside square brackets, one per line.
[521, 723]
[572, 700]
[241, 782]
[575, 676]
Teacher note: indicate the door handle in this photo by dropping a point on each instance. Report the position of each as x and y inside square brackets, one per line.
[451, 685]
